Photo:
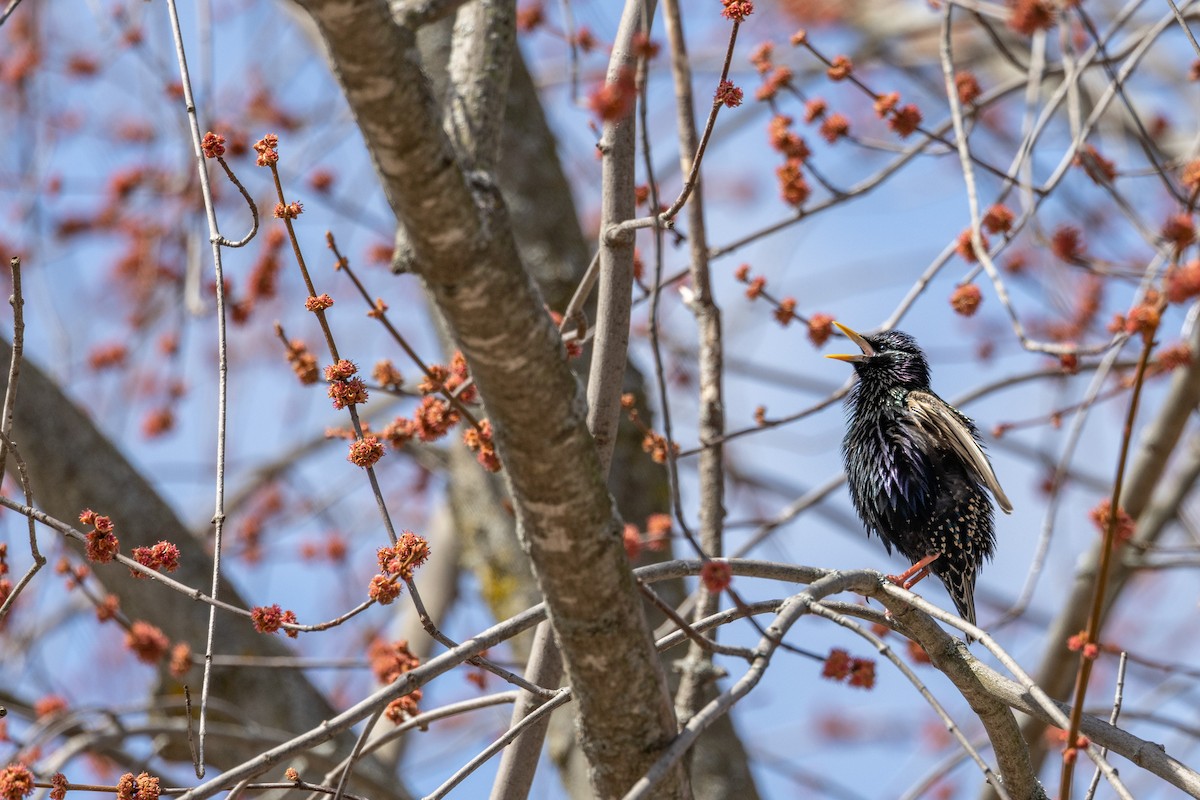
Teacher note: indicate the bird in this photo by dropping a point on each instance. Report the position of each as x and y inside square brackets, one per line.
[918, 474]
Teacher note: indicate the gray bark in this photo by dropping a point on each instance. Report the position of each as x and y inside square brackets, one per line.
[464, 251]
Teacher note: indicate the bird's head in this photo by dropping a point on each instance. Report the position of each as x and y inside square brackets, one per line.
[891, 358]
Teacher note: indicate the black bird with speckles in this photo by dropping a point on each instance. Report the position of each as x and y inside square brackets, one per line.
[918, 475]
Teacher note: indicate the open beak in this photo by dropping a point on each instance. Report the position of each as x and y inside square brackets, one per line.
[854, 336]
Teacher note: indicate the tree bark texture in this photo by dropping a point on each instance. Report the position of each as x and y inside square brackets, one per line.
[464, 250]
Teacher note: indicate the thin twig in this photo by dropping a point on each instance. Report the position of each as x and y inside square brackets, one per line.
[561, 696]
[1092, 632]
[8, 10]
[1183, 24]
[1118, 698]
[17, 301]
[342, 264]
[215, 238]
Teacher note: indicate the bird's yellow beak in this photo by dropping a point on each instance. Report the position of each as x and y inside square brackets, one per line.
[856, 337]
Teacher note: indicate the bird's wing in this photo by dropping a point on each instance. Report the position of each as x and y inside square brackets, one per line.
[939, 420]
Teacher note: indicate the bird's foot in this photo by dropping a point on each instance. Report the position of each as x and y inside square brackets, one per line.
[914, 574]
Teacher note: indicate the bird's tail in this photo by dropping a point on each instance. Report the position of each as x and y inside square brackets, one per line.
[960, 585]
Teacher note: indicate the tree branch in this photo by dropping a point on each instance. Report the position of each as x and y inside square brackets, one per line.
[464, 251]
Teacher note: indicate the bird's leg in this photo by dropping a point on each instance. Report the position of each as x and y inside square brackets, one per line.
[914, 574]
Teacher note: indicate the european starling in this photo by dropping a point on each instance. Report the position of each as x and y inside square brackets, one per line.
[917, 472]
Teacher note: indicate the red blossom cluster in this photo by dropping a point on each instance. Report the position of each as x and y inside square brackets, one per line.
[631, 538]
[263, 280]
[653, 443]
[321, 180]
[840, 68]
[917, 653]
[902, 120]
[737, 10]
[584, 39]
[833, 127]
[905, 121]
[378, 309]
[656, 445]
[249, 532]
[613, 100]
[479, 441]
[965, 299]
[1125, 527]
[404, 707]
[318, 303]
[530, 17]
[655, 539]
[147, 642]
[1066, 244]
[386, 375]
[49, 705]
[408, 554]
[391, 660]
[998, 219]
[302, 361]
[453, 380]
[163, 557]
[820, 328]
[1080, 642]
[16, 782]
[762, 57]
[1182, 283]
[266, 147]
[792, 186]
[272, 618]
[74, 576]
[212, 145]
[727, 95]
[1144, 318]
[58, 786]
[966, 250]
[107, 608]
[1173, 357]
[573, 347]
[345, 389]
[779, 79]
[643, 46]
[967, 86]
[102, 544]
[288, 211]
[397, 563]
[1101, 170]
[786, 141]
[1030, 16]
[143, 787]
[181, 659]
[1179, 231]
[365, 452]
[107, 356]
[1190, 175]
[433, 418]
[839, 666]
[886, 103]
[399, 432]
[716, 575]
[158, 422]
